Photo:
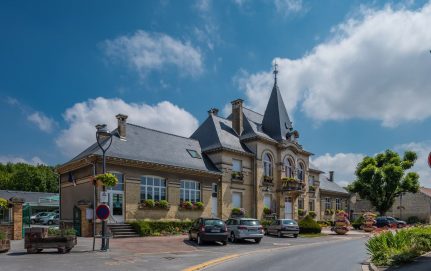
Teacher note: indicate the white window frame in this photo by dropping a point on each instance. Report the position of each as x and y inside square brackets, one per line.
[267, 165]
[311, 205]
[338, 205]
[328, 203]
[239, 163]
[240, 199]
[191, 193]
[161, 187]
[288, 167]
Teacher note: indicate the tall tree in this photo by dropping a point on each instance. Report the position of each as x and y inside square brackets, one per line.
[25, 177]
[380, 179]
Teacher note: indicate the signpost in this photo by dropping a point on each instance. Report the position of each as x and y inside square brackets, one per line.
[103, 197]
[102, 212]
[429, 159]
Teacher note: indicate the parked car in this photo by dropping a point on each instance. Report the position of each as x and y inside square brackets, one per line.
[50, 220]
[208, 229]
[282, 227]
[244, 228]
[37, 217]
[388, 221]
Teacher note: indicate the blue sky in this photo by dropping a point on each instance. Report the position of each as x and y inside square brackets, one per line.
[355, 75]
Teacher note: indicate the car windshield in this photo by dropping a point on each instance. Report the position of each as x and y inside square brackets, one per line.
[213, 222]
[390, 218]
[250, 222]
[289, 222]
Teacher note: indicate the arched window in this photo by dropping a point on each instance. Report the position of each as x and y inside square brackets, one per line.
[267, 164]
[288, 167]
[301, 172]
[153, 187]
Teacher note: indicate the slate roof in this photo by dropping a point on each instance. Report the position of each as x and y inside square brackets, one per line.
[29, 197]
[327, 185]
[216, 132]
[148, 145]
[426, 191]
[276, 122]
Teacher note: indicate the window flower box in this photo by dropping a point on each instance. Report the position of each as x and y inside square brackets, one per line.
[302, 212]
[311, 189]
[329, 211]
[237, 175]
[292, 184]
[237, 212]
[151, 204]
[188, 205]
[268, 180]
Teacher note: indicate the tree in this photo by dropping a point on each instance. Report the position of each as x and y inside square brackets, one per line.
[25, 177]
[382, 178]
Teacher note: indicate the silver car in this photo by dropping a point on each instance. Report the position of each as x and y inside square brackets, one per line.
[282, 227]
[244, 228]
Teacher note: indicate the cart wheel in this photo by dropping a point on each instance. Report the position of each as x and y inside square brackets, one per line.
[61, 250]
[31, 250]
[68, 249]
[39, 250]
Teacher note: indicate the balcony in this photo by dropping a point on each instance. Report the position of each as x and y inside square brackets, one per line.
[292, 185]
[268, 181]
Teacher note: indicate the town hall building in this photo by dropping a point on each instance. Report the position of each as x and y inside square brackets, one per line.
[248, 160]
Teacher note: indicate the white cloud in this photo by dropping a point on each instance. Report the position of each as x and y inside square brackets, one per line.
[343, 165]
[287, 7]
[207, 31]
[44, 123]
[4, 159]
[373, 67]
[145, 52]
[203, 5]
[82, 118]
[421, 166]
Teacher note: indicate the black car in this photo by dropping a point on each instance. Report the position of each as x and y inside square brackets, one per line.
[208, 229]
[388, 221]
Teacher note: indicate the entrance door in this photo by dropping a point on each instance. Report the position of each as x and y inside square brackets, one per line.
[116, 200]
[288, 208]
[214, 202]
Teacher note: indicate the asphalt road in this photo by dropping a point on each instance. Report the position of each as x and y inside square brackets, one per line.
[346, 255]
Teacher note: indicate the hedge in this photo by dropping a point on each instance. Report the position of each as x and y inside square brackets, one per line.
[309, 225]
[157, 228]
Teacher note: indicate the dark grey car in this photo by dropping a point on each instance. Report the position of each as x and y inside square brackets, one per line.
[282, 227]
[244, 228]
[208, 229]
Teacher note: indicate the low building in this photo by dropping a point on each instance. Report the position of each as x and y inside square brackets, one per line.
[333, 197]
[247, 160]
[405, 206]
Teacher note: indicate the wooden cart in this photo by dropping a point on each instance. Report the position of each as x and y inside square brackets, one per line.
[36, 239]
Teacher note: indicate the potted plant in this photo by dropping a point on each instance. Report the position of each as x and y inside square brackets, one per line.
[199, 205]
[266, 211]
[267, 179]
[106, 179]
[237, 212]
[237, 175]
[163, 204]
[311, 188]
[301, 212]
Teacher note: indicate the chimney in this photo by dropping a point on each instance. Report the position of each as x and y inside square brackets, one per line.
[331, 176]
[122, 125]
[237, 117]
[213, 111]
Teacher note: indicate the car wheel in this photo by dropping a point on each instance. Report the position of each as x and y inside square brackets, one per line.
[257, 241]
[32, 221]
[190, 236]
[279, 234]
[295, 235]
[232, 237]
[50, 222]
[199, 240]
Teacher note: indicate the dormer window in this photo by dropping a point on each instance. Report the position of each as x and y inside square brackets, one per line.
[194, 154]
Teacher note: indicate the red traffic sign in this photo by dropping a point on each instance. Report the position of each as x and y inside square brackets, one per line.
[429, 159]
[102, 212]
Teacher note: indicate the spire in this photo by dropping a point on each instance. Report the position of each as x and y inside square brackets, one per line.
[276, 122]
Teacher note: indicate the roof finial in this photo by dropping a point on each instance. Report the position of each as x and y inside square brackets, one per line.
[275, 72]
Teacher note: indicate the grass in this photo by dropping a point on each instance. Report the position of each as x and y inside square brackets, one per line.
[311, 235]
[392, 248]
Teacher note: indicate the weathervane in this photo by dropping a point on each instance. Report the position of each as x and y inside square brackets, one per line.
[275, 73]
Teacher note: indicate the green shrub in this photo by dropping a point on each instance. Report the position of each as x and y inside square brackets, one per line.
[309, 225]
[391, 248]
[163, 204]
[301, 212]
[265, 222]
[157, 228]
[149, 203]
[4, 204]
[266, 211]
[357, 223]
[64, 232]
[312, 214]
[108, 179]
[199, 205]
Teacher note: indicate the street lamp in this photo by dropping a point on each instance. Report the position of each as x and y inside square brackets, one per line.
[102, 134]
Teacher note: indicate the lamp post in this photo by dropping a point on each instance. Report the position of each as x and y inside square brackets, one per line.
[102, 135]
